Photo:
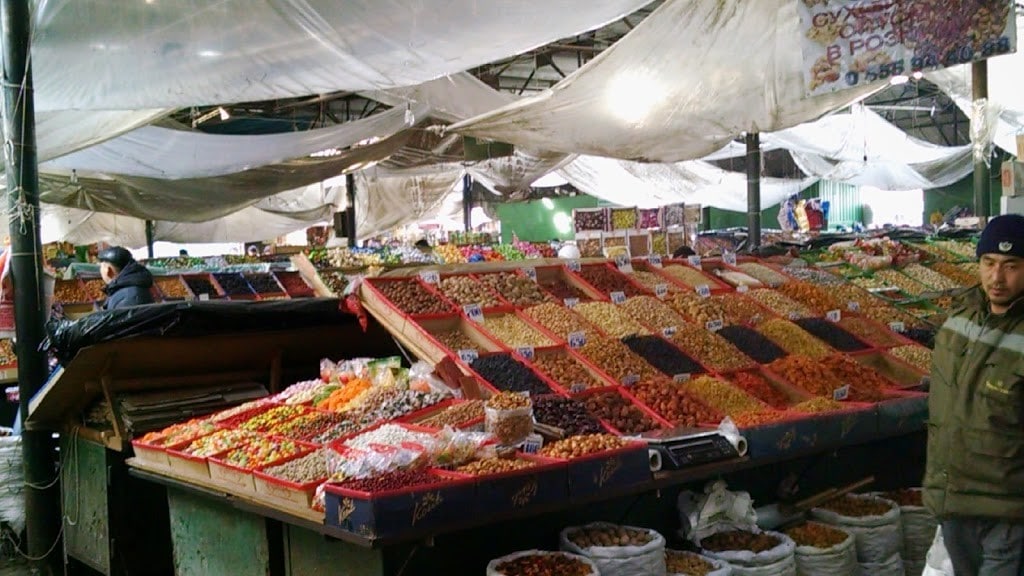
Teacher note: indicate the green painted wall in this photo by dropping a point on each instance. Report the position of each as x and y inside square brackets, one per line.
[961, 194]
[533, 221]
[845, 208]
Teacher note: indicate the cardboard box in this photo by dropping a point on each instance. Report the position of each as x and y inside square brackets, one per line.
[1012, 174]
[1020, 145]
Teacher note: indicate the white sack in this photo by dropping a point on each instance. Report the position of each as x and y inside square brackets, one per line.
[647, 560]
[779, 561]
[879, 538]
[12, 483]
[839, 560]
[492, 567]
[720, 568]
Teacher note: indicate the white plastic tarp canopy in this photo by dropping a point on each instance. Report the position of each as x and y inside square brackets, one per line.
[113, 54]
[172, 153]
[63, 132]
[693, 182]
[675, 88]
[385, 201]
[1005, 91]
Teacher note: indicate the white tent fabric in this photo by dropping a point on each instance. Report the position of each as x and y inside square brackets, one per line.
[862, 148]
[518, 172]
[675, 88]
[385, 202]
[63, 132]
[171, 154]
[693, 182]
[86, 54]
[450, 98]
[1004, 90]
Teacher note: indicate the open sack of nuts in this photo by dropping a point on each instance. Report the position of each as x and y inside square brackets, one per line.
[724, 525]
[918, 528]
[617, 550]
[822, 549]
[542, 563]
[681, 563]
[875, 524]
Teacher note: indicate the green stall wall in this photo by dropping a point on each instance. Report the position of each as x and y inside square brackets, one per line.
[534, 221]
[844, 208]
[962, 194]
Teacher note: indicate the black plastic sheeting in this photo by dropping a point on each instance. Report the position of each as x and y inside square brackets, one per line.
[66, 337]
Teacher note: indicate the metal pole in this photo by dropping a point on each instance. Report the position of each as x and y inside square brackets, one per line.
[350, 209]
[42, 508]
[149, 238]
[979, 83]
[467, 203]
[753, 190]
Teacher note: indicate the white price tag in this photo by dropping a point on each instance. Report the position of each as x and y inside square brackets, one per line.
[526, 352]
[571, 302]
[531, 273]
[704, 291]
[853, 306]
[577, 388]
[468, 356]
[715, 325]
[840, 394]
[898, 327]
[618, 297]
[577, 340]
[655, 261]
[794, 315]
[729, 258]
[532, 444]
[430, 277]
[669, 332]
[661, 290]
[630, 380]
[573, 265]
[681, 378]
[474, 312]
[626, 268]
[204, 297]
[834, 315]
[743, 288]
[621, 260]
[694, 261]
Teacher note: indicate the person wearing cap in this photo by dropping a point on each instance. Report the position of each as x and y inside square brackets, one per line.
[128, 283]
[974, 478]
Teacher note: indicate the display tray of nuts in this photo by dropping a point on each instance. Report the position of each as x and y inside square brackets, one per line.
[722, 396]
[898, 373]
[616, 359]
[610, 319]
[794, 339]
[465, 290]
[780, 304]
[583, 446]
[515, 332]
[652, 312]
[606, 280]
[808, 374]
[410, 296]
[917, 356]
[557, 281]
[710, 349]
[573, 374]
[561, 321]
[507, 374]
[70, 292]
[690, 276]
[620, 412]
[817, 298]
[832, 334]
[517, 289]
[674, 404]
[458, 333]
[738, 540]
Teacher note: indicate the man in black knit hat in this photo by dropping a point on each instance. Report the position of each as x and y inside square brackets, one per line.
[974, 480]
[128, 282]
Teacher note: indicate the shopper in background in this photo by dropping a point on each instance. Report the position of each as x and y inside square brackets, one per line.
[128, 282]
[683, 252]
[974, 479]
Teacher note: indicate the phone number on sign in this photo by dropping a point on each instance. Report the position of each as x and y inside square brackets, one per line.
[962, 55]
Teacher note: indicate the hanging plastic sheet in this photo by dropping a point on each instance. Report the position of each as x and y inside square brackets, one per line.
[675, 88]
[653, 185]
[516, 173]
[63, 132]
[172, 153]
[386, 202]
[450, 98]
[92, 54]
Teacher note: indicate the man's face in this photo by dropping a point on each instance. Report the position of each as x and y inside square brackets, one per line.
[107, 272]
[1002, 278]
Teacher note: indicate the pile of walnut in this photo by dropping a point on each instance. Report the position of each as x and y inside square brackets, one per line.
[610, 536]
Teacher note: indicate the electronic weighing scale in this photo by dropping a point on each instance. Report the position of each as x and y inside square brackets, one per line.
[684, 447]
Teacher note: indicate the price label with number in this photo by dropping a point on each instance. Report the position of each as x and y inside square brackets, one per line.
[743, 288]
[655, 261]
[853, 306]
[531, 273]
[621, 260]
[681, 378]
[840, 394]
[704, 291]
[571, 302]
[669, 332]
[626, 268]
[694, 261]
[577, 340]
[834, 315]
[898, 327]
[714, 325]
[430, 277]
[630, 380]
[474, 312]
[661, 290]
[468, 356]
[526, 352]
[729, 258]
[577, 388]
[573, 265]
[204, 297]
[532, 444]
[618, 297]
[794, 315]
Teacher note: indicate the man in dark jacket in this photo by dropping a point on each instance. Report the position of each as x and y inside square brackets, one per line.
[128, 282]
[974, 480]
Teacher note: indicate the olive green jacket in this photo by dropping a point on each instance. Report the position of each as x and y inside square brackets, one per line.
[976, 413]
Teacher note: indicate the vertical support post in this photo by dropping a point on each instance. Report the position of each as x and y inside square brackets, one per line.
[982, 176]
[753, 190]
[350, 209]
[467, 202]
[42, 508]
[149, 238]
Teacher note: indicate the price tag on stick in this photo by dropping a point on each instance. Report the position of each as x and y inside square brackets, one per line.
[841, 394]
[527, 352]
[571, 302]
[834, 315]
[729, 258]
[704, 291]
[655, 260]
[531, 273]
[853, 306]
[430, 277]
[694, 261]
[899, 327]
[661, 290]
[474, 312]
[618, 297]
[577, 340]
[573, 265]
[468, 356]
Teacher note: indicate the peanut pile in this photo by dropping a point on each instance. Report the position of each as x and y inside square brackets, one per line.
[652, 312]
[722, 396]
[711, 349]
[560, 320]
[518, 290]
[794, 340]
[412, 298]
[780, 304]
[455, 415]
[917, 356]
[490, 466]
[610, 319]
[514, 332]
[464, 290]
[455, 339]
[696, 309]
[814, 297]
[565, 370]
[738, 310]
[905, 283]
[579, 446]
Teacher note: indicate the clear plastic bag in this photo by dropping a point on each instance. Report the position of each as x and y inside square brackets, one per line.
[646, 560]
[457, 447]
[510, 427]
